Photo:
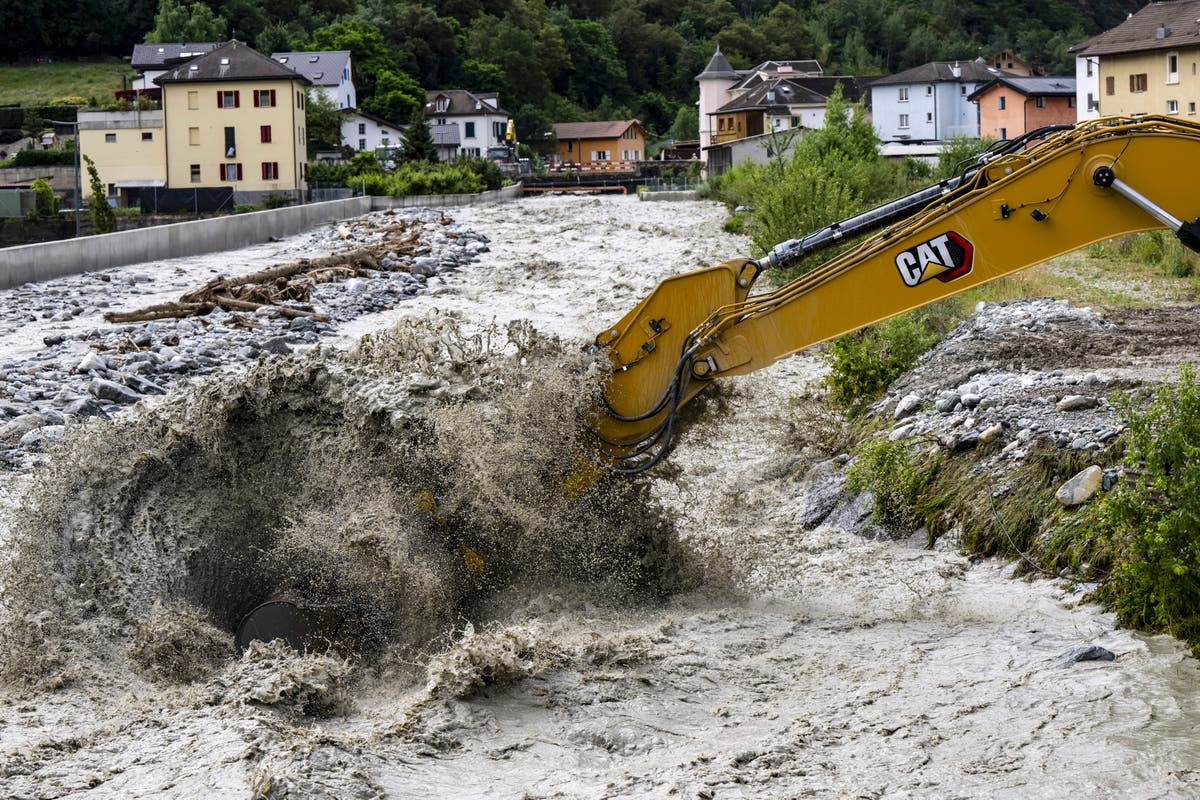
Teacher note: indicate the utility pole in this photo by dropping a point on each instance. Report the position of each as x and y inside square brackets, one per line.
[78, 181]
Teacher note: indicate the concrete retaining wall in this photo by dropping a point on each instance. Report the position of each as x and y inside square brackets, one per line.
[39, 262]
[667, 195]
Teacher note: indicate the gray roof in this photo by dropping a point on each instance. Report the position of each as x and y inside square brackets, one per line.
[719, 67]
[1158, 26]
[1040, 86]
[779, 93]
[463, 103]
[322, 67]
[156, 56]
[232, 61]
[942, 72]
[769, 70]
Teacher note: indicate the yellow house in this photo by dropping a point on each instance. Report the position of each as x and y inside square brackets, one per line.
[613, 145]
[1148, 64]
[234, 117]
[128, 148]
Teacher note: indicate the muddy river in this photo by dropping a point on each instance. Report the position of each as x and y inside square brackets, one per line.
[763, 660]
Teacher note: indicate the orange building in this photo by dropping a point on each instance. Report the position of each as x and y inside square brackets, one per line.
[600, 145]
[1010, 106]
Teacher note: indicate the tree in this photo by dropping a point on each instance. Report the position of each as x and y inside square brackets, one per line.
[418, 141]
[323, 121]
[45, 203]
[396, 96]
[180, 22]
[103, 218]
[686, 125]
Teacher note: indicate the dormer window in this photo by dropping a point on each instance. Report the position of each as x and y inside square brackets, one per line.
[313, 59]
[283, 60]
[318, 75]
[442, 104]
[224, 62]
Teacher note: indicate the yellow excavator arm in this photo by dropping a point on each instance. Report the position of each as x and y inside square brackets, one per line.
[1013, 209]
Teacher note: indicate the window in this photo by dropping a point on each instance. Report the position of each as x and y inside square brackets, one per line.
[1002, 133]
[193, 101]
[929, 91]
[1092, 104]
[1172, 106]
[362, 144]
[1191, 108]
[1137, 83]
[795, 122]
[442, 104]
[498, 131]
[469, 130]
[110, 137]
[230, 143]
[929, 116]
[1088, 62]
[600, 155]
[264, 134]
[147, 136]
[231, 172]
[362, 128]
[193, 136]
[1070, 101]
[1040, 102]
[1001, 101]
[962, 89]
[720, 124]
[264, 98]
[904, 120]
[1172, 67]
[1110, 85]
[195, 173]
[903, 94]
[270, 170]
[229, 99]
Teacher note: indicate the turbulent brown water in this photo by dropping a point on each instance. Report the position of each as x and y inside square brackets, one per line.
[679, 636]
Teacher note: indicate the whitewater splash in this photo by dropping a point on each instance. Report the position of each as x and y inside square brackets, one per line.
[148, 539]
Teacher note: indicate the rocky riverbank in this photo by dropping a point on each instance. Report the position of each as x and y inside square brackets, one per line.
[88, 368]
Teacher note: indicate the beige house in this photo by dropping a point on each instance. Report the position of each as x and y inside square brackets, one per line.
[128, 148]
[234, 117]
[1148, 63]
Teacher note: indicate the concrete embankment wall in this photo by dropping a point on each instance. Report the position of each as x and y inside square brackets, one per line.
[46, 260]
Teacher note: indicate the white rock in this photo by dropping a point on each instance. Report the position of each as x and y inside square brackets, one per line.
[1080, 488]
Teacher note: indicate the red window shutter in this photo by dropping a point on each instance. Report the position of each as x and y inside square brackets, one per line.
[272, 98]
[237, 99]
[264, 134]
[256, 98]
[265, 165]
[220, 99]
[239, 171]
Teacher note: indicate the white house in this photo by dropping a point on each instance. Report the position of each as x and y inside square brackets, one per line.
[929, 102]
[479, 121]
[328, 70]
[1087, 82]
[740, 107]
[365, 132]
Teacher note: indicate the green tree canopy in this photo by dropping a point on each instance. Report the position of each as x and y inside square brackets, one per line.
[418, 142]
[178, 21]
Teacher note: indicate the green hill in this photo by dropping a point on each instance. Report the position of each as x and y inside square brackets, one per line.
[39, 84]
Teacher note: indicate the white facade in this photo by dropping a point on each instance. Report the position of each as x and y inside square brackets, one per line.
[798, 116]
[480, 121]
[925, 111]
[366, 134]
[329, 70]
[1087, 87]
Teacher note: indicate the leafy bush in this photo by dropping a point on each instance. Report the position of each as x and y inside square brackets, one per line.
[45, 200]
[896, 478]
[864, 363]
[957, 153]
[1160, 249]
[464, 176]
[1154, 522]
[103, 219]
[43, 158]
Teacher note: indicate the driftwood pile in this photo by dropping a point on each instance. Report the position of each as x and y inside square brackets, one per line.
[288, 287]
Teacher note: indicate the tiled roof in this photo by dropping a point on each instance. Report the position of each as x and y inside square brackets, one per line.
[595, 130]
[1158, 26]
[322, 67]
[462, 102]
[942, 72]
[232, 61]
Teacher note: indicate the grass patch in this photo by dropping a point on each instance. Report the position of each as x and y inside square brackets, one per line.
[39, 84]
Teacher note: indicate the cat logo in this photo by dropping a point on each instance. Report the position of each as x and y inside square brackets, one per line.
[944, 257]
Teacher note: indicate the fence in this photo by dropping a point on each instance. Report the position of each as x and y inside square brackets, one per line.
[155, 200]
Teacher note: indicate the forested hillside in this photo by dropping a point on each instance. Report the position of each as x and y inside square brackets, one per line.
[574, 59]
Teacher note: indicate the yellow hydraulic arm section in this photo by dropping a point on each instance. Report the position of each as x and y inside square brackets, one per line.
[1010, 211]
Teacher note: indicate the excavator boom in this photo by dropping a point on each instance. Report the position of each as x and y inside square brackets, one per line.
[1015, 208]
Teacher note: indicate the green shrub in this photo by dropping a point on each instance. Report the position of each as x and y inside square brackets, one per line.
[864, 363]
[45, 200]
[896, 477]
[274, 200]
[103, 218]
[1154, 522]
[244, 208]
[43, 158]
